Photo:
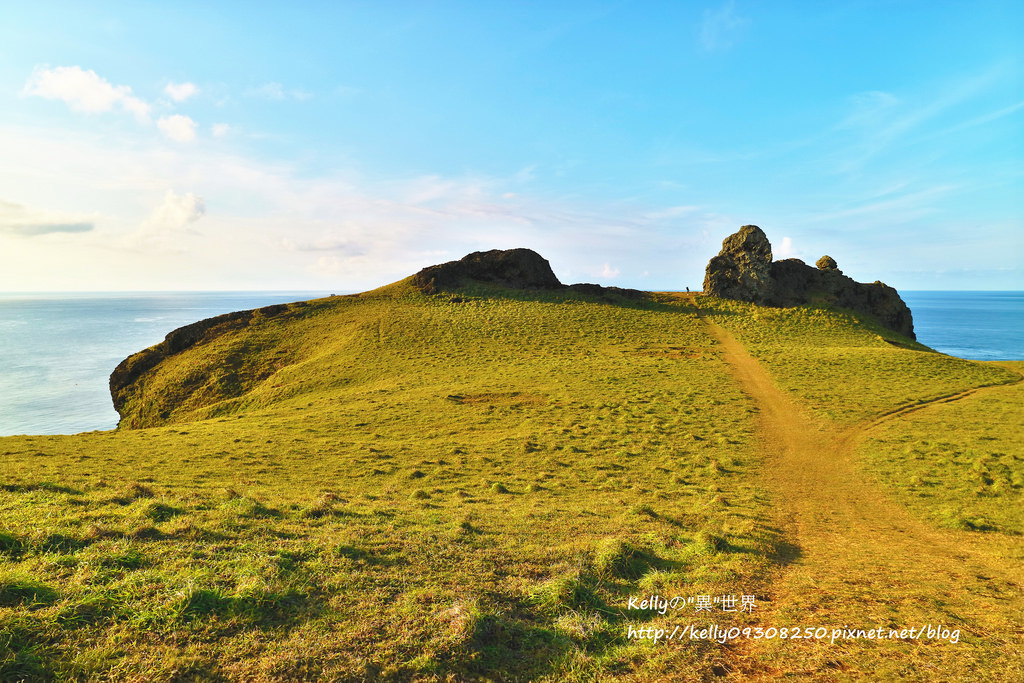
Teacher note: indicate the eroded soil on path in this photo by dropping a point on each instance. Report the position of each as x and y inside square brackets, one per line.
[859, 560]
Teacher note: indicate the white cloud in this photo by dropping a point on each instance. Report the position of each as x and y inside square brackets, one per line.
[84, 91]
[179, 92]
[721, 27]
[169, 219]
[609, 272]
[219, 130]
[178, 127]
[272, 91]
[785, 250]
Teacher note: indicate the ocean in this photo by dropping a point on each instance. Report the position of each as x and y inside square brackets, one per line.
[57, 350]
[971, 325]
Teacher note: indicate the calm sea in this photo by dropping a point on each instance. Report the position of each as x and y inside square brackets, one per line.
[57, 350]
[972, 325]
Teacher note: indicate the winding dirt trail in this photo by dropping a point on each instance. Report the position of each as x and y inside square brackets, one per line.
[859, 560]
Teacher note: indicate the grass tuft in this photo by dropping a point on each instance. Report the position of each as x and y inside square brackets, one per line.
[569, 592]
[18, 589]
[618, 558]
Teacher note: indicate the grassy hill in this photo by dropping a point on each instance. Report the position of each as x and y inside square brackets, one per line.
[473, 484]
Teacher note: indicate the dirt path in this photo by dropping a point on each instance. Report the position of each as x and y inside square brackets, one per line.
[861, 561]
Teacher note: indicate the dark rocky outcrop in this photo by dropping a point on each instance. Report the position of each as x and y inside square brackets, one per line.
[513, 268]
[744, 271]
[608, 292]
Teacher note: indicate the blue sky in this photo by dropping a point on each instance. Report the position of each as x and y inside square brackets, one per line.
[343, 145]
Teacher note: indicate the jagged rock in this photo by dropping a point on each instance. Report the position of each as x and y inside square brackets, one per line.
[744, 271]
[515, 268]
[826, 262]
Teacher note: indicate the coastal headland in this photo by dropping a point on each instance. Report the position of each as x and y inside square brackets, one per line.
[479, 473]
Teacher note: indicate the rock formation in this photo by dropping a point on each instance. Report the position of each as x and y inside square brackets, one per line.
[514, 268]
[744, 271]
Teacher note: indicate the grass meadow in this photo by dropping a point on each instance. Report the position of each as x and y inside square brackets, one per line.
[960, 465]
[398, 486]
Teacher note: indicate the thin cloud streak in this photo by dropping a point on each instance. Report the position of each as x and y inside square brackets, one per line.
[721, 28]
[22, 221]
[882, 120]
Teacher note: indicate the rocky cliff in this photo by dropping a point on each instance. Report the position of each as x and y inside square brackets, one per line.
[744, 271]
[128, 380]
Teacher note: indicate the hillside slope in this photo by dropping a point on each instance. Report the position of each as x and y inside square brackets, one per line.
[474, 483]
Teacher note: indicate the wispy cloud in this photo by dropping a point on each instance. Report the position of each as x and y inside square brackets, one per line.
[880, 121]
[16, 219]
[983, 119]
[34, 229]
[276, 91]
[179, 92]
[898, 208]
[671, 212]
[84, 90]
[721, 27]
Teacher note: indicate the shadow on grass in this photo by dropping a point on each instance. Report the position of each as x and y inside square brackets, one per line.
[783, 552]
[23, 651]
[261, 608]
[509, 639]
[41, 486]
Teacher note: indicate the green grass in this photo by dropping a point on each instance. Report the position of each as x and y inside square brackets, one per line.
[961, 465]
[844, 367]
[398, 485]
[395, 499]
